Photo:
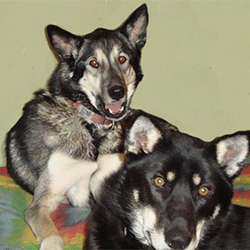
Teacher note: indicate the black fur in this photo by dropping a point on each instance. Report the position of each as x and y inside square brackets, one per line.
[177, 204]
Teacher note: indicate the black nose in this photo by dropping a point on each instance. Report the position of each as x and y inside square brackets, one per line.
[116, 92]
[178, 242]
[177, 238]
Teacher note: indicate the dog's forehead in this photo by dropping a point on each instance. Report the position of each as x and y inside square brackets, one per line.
[176, 152]
[184, 155]
[184, 141]
[106, 40]
[103, 51]
[99, 33]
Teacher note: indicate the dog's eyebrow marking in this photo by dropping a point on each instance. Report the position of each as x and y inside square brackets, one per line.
[114, 54]
[101, 57]
[171, 176]
[136, 194]
[196, 179]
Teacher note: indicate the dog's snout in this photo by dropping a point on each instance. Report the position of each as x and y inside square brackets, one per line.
[116, 92]
[178, 242]
[177, 238]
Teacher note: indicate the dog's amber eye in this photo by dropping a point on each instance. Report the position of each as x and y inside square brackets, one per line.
[122, 59]
[159, 181]
[94, 64]
[204, 191]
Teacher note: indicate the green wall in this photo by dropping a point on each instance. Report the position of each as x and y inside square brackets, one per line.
[196, 61]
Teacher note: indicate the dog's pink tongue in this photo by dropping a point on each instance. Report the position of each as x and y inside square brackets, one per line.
[115, 108]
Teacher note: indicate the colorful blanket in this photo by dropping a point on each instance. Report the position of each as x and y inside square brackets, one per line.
[71, 222]
[15, 234]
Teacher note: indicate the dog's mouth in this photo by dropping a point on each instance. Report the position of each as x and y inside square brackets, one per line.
[115, 110]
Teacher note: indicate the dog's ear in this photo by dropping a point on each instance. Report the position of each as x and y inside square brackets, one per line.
[142, 136]
[135, 27]
[232, 152]
[65, 44]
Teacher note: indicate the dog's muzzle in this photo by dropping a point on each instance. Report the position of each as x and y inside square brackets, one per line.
[114, 110]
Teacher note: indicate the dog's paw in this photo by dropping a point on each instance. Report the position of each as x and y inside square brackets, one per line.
[52, 242]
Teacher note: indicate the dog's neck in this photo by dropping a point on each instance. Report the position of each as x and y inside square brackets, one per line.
[90, 115]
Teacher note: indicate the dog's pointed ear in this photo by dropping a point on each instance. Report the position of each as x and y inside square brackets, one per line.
[135, 27]
[142, 136]
[65, 44]
[232, 152]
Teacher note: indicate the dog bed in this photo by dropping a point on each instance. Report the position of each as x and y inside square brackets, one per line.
[70, 221]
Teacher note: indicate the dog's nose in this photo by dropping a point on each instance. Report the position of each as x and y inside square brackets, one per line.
[177, 238]
[116, 92]
[178, 242]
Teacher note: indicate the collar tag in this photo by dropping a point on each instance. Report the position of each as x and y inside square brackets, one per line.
[85, 112]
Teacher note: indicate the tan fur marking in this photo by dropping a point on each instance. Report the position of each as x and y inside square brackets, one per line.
[196, 179]
[171, 176]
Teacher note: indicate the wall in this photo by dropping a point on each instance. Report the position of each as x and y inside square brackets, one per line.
[196, 61]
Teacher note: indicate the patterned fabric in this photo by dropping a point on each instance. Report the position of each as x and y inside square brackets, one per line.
[242, 188]
[15, 234]
[71, 222]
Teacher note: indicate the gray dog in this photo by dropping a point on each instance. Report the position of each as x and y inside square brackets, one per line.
[71, 130]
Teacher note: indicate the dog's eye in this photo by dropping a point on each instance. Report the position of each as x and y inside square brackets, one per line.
[159, 181]
[122, 59]
[94, 64]
[204, 191]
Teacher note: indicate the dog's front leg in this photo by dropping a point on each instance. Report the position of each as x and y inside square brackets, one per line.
[47, 197]
[64, 177]
[38, 217]
[107, 165]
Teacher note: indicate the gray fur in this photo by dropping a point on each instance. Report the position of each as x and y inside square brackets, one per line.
[53, 149]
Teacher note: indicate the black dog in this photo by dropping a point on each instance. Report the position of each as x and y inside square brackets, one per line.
[174, 194]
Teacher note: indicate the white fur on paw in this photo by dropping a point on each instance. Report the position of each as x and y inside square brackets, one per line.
[52, 242]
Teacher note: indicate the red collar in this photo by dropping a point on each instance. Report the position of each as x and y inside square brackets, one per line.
[90, 115]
